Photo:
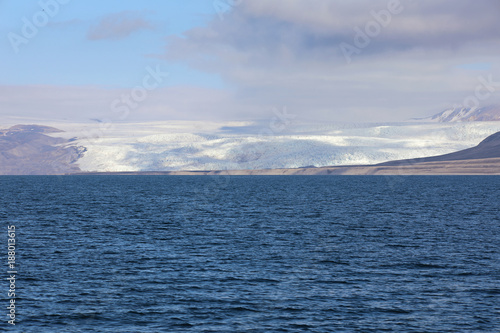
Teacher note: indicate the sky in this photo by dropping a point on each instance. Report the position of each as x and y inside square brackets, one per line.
[227, 60]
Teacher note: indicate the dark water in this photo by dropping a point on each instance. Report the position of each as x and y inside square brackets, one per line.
[253, 254]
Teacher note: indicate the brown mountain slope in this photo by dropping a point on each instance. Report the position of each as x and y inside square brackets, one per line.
[27, 150]
[488, 148]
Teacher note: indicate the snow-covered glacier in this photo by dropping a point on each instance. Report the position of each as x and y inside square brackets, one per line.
[190, 145]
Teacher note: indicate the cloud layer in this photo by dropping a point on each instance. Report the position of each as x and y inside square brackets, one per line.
[83, 103]
[403, 60]
[324, 60]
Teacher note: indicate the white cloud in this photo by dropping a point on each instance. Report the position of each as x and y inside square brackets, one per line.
[78, 103]
[286, 52]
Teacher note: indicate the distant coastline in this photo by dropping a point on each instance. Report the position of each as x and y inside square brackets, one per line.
[490, 166]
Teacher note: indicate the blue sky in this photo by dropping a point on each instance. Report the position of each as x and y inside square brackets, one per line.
[61, 54]
[324, 60]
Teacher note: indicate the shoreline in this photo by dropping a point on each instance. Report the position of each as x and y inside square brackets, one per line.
[489, 166]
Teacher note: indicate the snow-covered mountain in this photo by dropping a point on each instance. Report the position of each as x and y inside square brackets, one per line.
[488, 113]
[191, 145]
[164, 146]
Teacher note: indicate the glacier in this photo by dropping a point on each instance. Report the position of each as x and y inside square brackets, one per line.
[196, 145]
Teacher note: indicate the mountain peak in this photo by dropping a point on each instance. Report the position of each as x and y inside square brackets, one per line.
[463, 114]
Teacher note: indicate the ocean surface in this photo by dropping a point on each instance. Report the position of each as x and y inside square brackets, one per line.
[253, 254]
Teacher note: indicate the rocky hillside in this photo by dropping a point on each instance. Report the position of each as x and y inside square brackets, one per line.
[488, 148]
[29, 150]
